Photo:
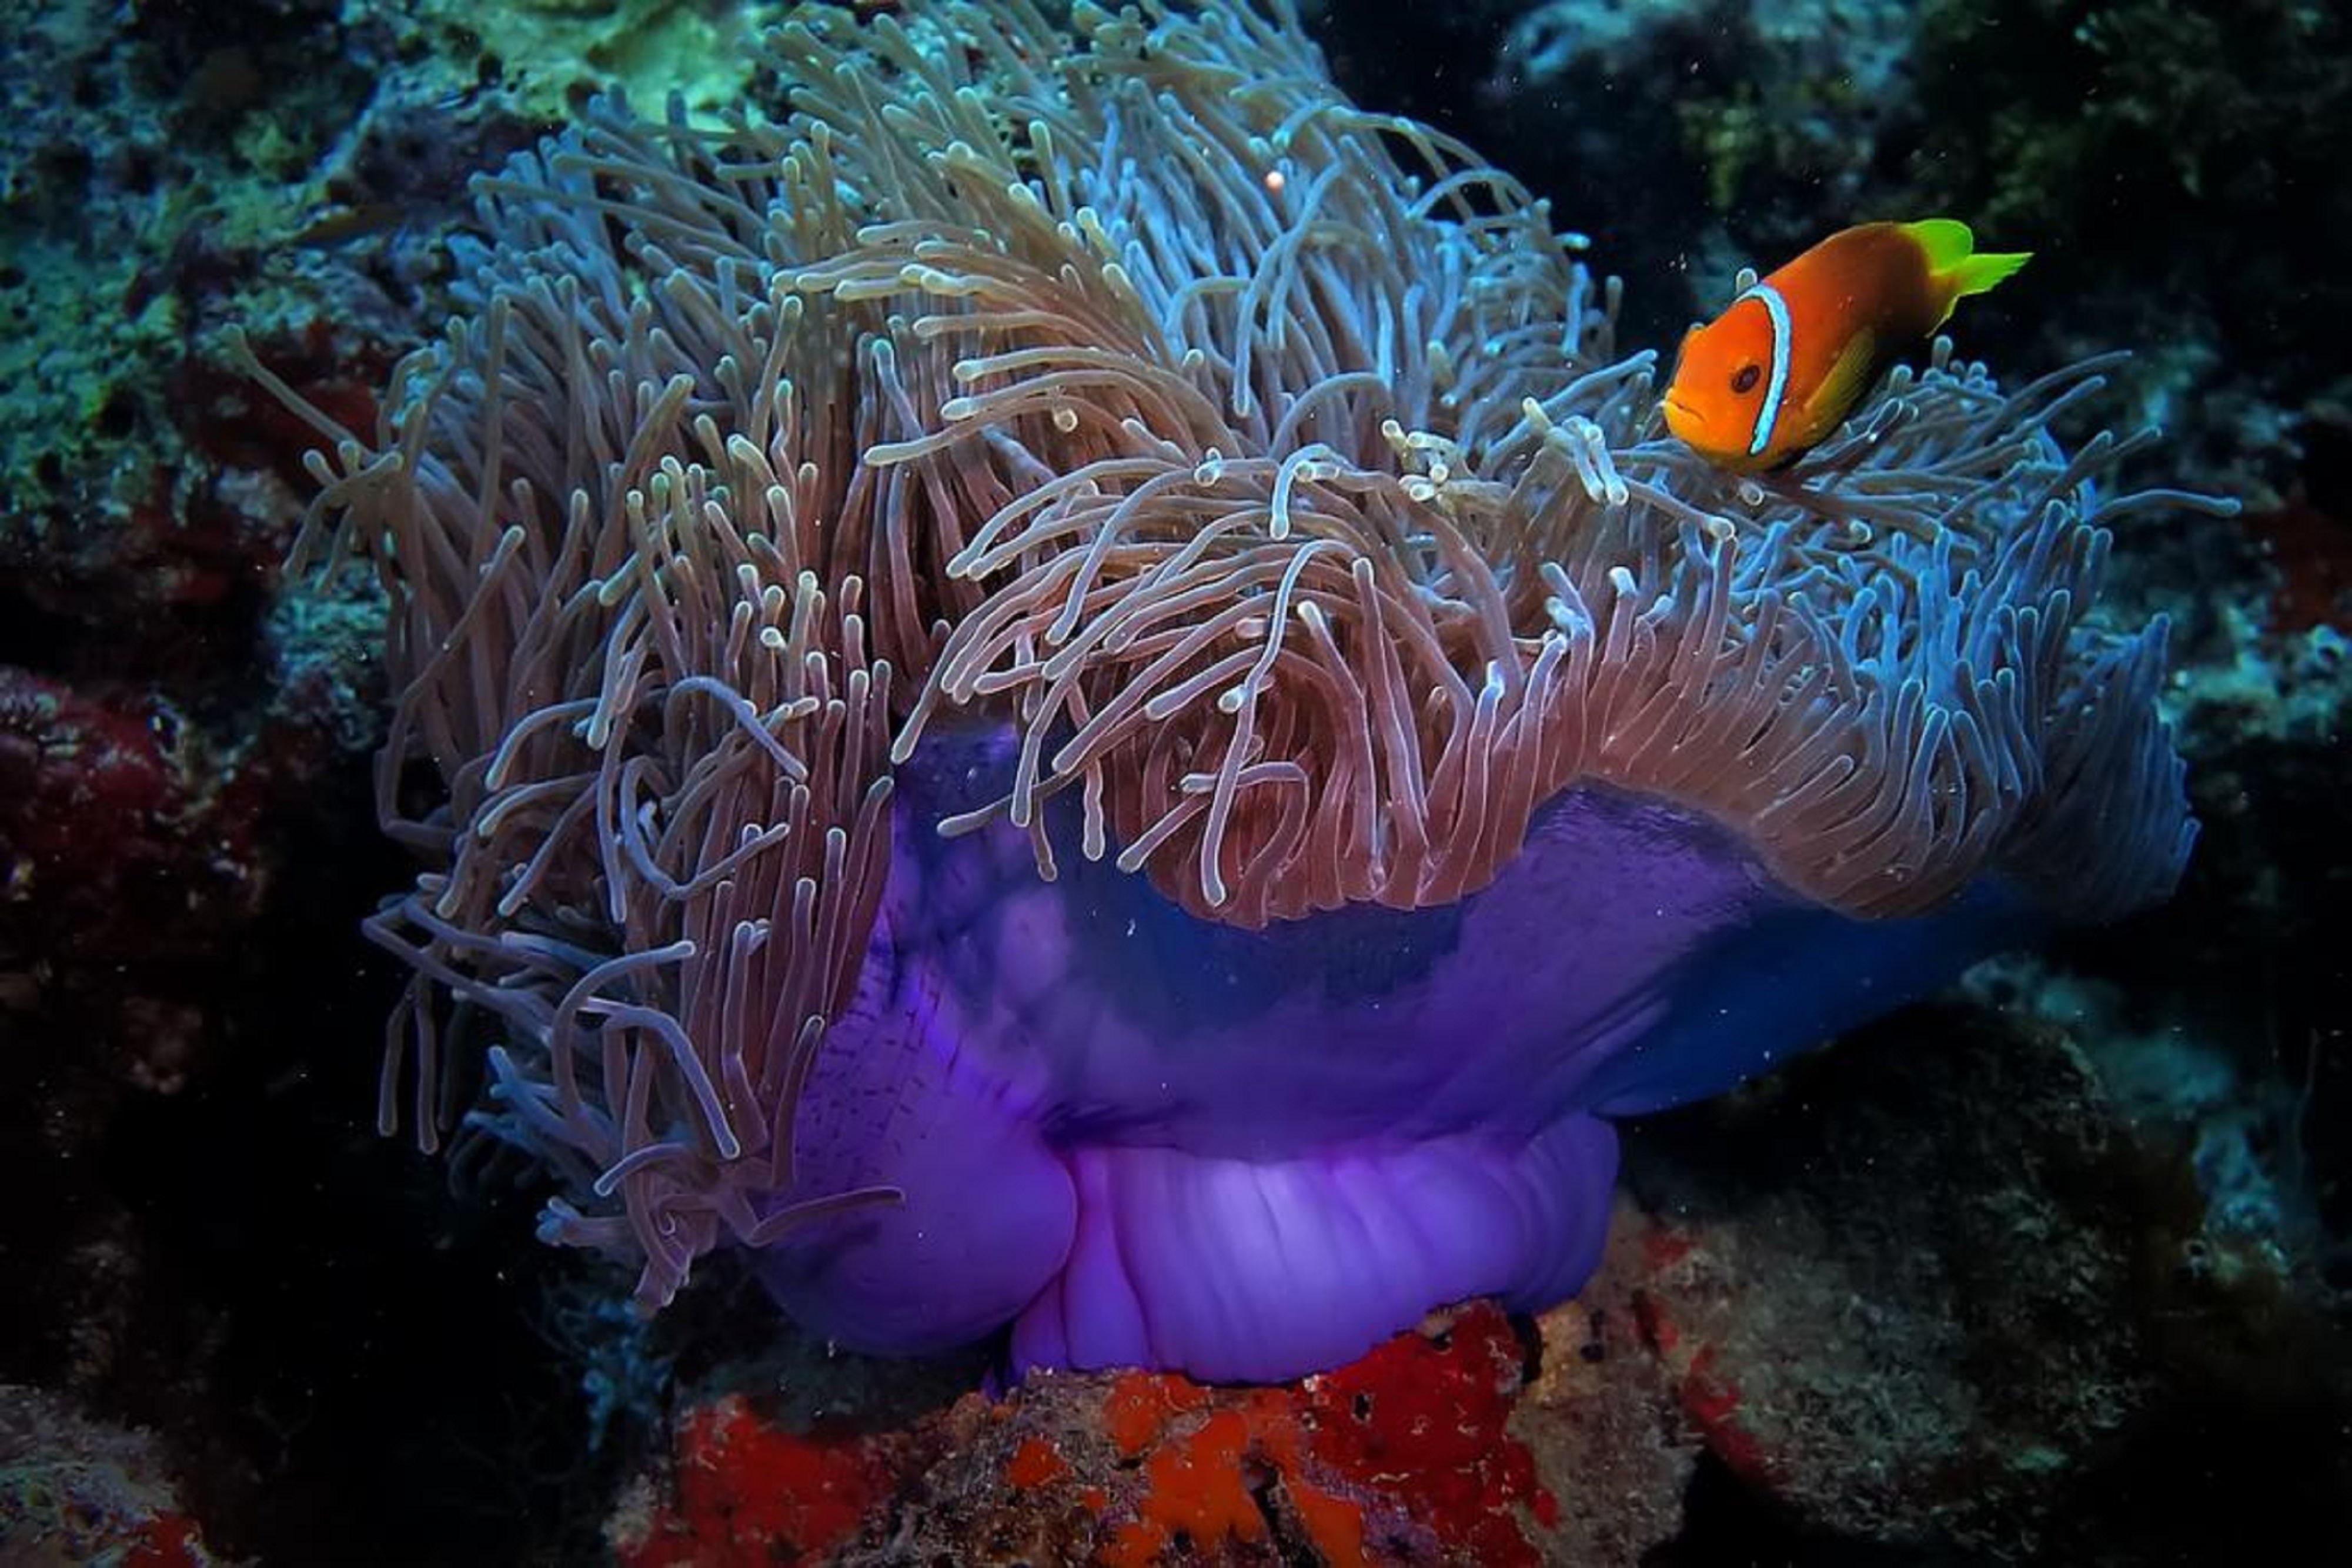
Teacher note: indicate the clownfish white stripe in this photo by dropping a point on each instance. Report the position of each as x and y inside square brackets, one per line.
[1777, 387]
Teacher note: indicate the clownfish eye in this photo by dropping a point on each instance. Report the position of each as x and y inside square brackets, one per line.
[1744, 381]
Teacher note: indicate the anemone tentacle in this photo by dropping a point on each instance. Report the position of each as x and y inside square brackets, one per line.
[1269, 466]
[1300, 441]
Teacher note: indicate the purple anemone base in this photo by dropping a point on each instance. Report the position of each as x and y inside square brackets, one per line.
[1144, 1138]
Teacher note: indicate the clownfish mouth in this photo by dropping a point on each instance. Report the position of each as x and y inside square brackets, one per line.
[1682, 417]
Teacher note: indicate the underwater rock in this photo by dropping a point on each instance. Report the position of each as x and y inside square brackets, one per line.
[73, 1489]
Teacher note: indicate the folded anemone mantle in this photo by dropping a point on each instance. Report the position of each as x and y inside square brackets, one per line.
[1073, 687]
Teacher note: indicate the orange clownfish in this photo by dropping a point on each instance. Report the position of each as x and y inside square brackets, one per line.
[1782, 368]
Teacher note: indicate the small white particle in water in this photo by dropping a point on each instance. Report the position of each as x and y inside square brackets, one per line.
[1274, 181]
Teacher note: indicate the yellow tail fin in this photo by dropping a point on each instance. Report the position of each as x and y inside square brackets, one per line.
[1950, 249]
[1978, 273]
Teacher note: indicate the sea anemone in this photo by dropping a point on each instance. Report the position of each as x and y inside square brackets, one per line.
[1073, 687]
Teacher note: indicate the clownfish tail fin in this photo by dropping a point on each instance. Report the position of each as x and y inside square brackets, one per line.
[1950, 252]
[1976, 273]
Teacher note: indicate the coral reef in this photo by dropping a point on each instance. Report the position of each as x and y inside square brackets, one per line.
[552, 53]
[2033, 1275]
[2209, 118]
[1812, 1322]
[1404, 1456]
[75, 1490]
[181, 755]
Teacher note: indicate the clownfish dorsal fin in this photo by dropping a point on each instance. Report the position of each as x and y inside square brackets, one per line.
[1945, 242]
[1844, 385]
[1949, 251]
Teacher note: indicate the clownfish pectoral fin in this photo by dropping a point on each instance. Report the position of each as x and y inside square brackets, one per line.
[1949, 250]
[1845, 383]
